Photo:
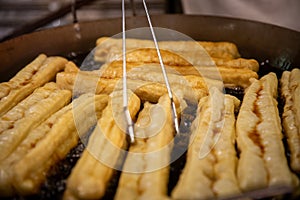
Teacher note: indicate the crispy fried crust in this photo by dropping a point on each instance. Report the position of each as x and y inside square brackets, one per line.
[262, 159]
[40, 71]
[290, 92]
[90, 176]
[146, 169]
[29, 113]
[211, 159]
[29, 172]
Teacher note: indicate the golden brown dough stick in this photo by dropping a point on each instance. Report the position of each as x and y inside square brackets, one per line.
[29, 172]
[208, 76]
[29, 113]
[151, 73]
[248, 139]
[146, 170]
[40, 71]
[221, 49]
[290, 92]
[129, 182]
[146, 90]
[229, 76]
[145, 55]
[154, 182]
[211, 159]
[251, 64]
[262, 160]
[90, 175]
[109, 49]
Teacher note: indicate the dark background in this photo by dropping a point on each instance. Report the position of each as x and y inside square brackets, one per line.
[23, 16]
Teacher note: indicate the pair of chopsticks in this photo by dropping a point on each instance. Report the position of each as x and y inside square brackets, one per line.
[129, 121]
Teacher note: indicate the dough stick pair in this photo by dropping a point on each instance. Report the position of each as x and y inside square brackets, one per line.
[52, 140]
[146, 170]
[40, 71]
[149, 55]
[16, 124]
[262, 160]
[211, 163]
[109, 49]
[190, 87]
[229, 76]
[92, 172]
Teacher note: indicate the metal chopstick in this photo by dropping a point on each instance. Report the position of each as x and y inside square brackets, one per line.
[129, 121]
[175, 118]
[125, 96]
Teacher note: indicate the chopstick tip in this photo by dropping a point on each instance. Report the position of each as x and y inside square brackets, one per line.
[175, 117]
[131, 133]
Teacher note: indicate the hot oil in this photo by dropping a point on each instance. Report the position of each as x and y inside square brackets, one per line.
[181, 143]
[267, 67]
[55, 184]
[238, 92]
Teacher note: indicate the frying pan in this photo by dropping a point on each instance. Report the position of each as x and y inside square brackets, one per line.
[280, 46]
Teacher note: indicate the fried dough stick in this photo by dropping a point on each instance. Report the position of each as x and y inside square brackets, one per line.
[91, 173]
[109, 49]
[146, 170]
[262, 160]
[230, 76]
[205, 76]
[211, 159]
[29, 113]
[35, 135]
[60, 136]
[290, 92]
[147, 55]
[190, 87]
[40, 71]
